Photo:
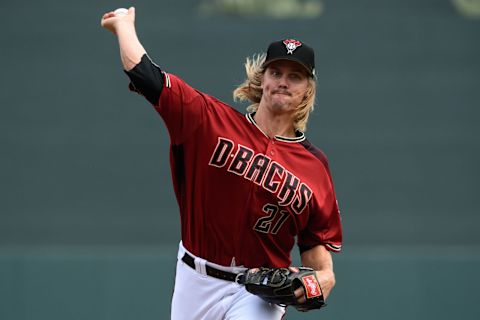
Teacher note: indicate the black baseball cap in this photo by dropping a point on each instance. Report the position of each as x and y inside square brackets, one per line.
[293, 50]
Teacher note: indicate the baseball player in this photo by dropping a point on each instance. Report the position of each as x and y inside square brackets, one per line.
[249, 186]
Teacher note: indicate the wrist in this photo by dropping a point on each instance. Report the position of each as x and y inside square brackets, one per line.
[326, 279]
[124, 26]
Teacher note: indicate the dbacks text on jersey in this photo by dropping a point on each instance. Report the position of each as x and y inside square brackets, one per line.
[263, 171]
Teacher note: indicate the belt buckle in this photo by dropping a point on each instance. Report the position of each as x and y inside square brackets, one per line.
[239, 278]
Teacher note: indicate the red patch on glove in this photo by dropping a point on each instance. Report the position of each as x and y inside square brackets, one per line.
[312, 288]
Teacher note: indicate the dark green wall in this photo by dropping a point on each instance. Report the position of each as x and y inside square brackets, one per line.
[397, 115]
[84, 162]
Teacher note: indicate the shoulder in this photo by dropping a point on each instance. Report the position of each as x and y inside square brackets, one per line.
[178, 86]
[316, 152]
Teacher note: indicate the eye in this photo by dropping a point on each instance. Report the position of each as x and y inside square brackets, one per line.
[275, 73]
[295, 76]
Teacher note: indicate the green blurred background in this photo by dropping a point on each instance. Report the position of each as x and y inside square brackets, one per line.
[88, 221]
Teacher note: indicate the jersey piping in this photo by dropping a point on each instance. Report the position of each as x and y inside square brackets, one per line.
[299, 138]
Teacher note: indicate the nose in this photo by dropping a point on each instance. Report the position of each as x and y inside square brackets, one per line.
[283, 82]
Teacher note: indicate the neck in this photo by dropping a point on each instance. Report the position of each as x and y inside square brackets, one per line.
[280, 124]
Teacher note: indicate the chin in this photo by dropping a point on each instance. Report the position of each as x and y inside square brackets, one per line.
[280, 103]
[280, 108]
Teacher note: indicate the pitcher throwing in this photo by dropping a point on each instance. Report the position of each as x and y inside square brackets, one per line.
[249, 186]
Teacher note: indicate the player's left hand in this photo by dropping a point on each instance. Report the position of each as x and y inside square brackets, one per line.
[293, 286]
[299, 292]
[300, 295]
[324, 280]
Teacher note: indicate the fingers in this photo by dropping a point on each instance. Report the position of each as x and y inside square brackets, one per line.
[105, 17]
[108, 15]
[300, 295]
[111, 14]
[300, 292]
[110, 20]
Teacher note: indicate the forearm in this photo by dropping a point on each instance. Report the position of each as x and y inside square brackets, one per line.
[320, 259]
[123, 26]
[131, 50]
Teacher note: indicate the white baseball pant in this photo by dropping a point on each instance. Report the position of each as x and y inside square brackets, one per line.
[198, 296]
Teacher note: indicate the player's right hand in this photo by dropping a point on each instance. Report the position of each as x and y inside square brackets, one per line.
[112, 21]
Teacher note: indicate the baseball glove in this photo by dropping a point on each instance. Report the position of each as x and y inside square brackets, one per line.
[277, 285]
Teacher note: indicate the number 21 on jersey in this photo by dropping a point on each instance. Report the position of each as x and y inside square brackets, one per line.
[273, 221]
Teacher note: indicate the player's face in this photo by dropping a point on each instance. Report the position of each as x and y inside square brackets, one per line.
[285, 84]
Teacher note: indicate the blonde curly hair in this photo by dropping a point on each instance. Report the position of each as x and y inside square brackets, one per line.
[251, 90]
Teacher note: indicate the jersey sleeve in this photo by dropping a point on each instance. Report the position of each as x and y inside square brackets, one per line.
[146, 79]
[324, 225]
[182, 107]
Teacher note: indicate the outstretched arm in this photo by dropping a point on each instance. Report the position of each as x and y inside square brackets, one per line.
[123, 26]
[146, 77]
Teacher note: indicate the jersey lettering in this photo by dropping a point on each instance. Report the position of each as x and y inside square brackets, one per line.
[270, 184]
[289, 187]
[268, 174]
[241, 160]
[222, 151]
[304, 195]
[257, 168]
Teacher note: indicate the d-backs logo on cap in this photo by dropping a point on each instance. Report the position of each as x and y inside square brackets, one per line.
[291, 45]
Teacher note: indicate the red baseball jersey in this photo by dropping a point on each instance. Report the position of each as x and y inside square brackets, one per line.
[244, 197]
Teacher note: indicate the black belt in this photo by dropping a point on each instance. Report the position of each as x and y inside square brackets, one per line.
[216, 273]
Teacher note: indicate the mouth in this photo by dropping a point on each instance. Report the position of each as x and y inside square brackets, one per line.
[282, 93]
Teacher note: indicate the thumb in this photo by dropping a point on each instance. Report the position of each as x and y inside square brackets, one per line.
[131, 13]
